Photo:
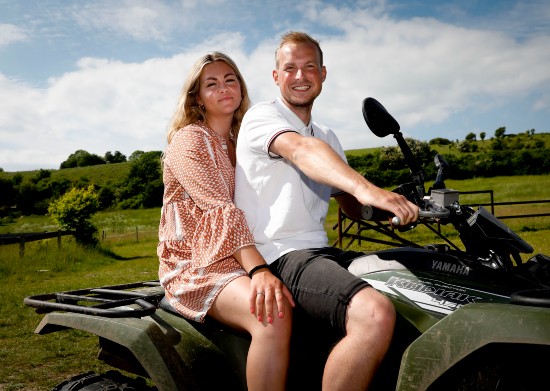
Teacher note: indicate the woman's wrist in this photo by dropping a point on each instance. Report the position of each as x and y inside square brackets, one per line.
[256, 268]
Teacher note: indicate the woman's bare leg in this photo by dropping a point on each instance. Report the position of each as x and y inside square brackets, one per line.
[268, 356]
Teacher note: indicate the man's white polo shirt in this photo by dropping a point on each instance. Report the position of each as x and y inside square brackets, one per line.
[285, 209]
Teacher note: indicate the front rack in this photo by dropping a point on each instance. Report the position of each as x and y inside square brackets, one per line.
[134, 300]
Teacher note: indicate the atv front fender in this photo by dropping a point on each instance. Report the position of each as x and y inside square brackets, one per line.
[466, 330]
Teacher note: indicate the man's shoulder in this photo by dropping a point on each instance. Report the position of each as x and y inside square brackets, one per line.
[266, 111]
[317, 127]
[265, 105]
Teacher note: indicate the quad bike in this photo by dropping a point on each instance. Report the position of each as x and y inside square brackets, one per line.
[476, 318]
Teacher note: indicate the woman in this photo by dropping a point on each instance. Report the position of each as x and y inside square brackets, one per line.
[209, 264]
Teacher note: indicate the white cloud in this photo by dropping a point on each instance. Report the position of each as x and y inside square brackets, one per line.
[424, 71]
[10, 34]
[103, 106]
[139, 19]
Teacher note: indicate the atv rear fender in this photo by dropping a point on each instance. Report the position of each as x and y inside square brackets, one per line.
[165, 347]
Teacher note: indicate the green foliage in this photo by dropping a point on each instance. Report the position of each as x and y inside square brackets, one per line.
[82, 158]
[137, 183]
[500, 132]
[127, 185]
[386, 166]
[135, 155]
[144, 184]
[7, 196]
[74, 210]
[522, 154]
[466, 146]
[117, 157]
[470, 137]
[440, 141]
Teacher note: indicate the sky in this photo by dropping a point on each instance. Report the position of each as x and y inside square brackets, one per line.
[105, 75]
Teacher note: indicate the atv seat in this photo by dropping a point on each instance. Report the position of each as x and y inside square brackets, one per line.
[208, 328]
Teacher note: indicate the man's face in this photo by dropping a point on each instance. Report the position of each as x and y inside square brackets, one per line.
[299, 74]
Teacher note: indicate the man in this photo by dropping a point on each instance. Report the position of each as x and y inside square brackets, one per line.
[287, 169]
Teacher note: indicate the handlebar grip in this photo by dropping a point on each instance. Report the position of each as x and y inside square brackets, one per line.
[370, 213]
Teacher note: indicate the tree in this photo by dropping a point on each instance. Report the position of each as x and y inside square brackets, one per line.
[470, 136]
[464, 146]
[500, 132]
[440, 141]
[8, 194]
[117, 157]
[41, 174]
[82, 158]
[135, 155]
[482, 136]
[145, 181]
[27, 194]
[497, 144]
[74, 210]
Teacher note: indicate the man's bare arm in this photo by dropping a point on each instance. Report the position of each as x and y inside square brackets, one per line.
[320, 162]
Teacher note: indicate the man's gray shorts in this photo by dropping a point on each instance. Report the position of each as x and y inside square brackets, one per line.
[320, 283]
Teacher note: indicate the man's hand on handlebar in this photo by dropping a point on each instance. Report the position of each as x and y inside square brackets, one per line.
[391, 206]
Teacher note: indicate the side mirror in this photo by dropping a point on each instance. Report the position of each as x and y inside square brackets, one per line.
[382, 124]
[379, 121]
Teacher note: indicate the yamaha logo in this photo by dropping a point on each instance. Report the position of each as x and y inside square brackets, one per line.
[451, 268]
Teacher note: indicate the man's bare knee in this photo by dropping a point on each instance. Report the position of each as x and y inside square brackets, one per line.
[370, 308]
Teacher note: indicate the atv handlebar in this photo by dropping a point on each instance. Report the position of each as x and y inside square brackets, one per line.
[371, 213]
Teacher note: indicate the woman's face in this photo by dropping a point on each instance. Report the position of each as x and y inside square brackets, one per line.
[220, 90]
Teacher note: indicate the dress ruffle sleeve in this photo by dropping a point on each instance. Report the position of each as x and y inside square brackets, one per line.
[211, 226]
[219, 234]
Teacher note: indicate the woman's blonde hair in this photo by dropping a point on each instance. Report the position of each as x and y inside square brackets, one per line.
[188, 110]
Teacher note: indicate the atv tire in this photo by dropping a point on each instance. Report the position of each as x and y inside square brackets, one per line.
[110, 381]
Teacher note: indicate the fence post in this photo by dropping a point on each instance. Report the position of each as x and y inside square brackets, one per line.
[137, 238]
[22, 247]
[59, 239]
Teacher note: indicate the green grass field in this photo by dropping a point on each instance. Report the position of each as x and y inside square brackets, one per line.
[128, 253]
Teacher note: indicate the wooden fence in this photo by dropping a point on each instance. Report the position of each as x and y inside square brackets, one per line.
[23, 238]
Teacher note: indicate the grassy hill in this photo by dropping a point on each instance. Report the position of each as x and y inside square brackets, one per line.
[526, 141]
[117, 171]
[104, 173]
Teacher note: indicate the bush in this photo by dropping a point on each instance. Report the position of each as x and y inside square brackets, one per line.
[74, 210]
